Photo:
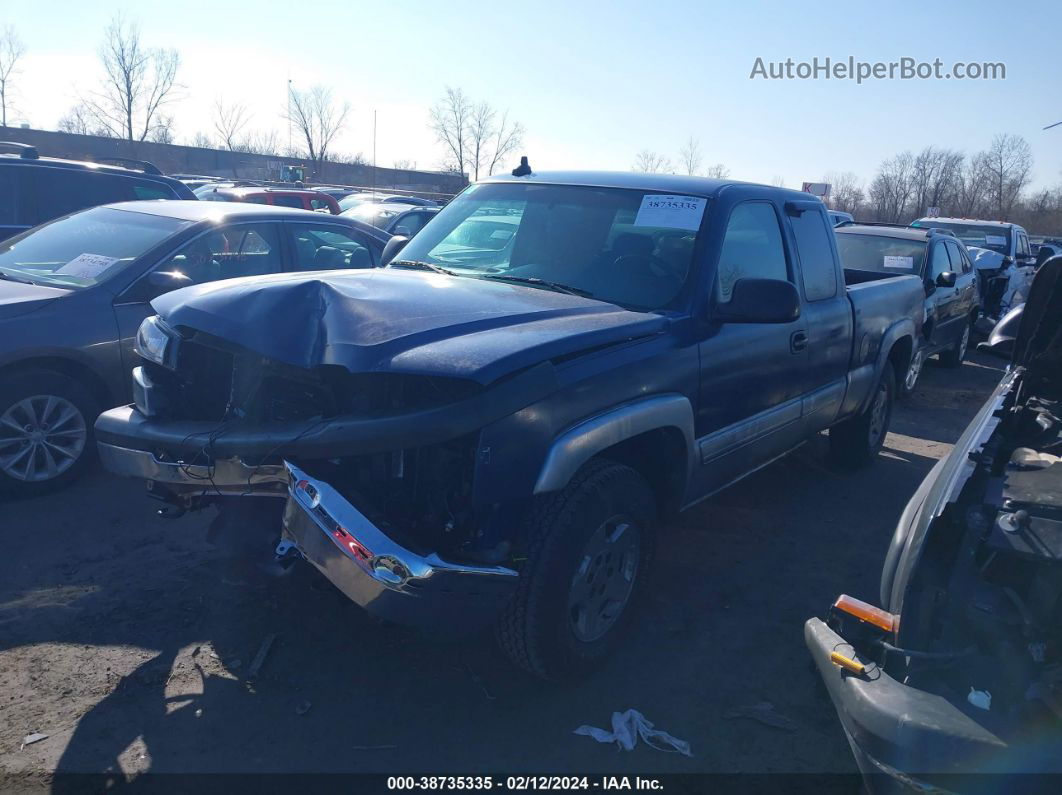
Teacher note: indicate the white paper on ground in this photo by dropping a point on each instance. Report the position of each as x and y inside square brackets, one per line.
[628, 726]
[87, 266]
[672, 212]
[899, 262]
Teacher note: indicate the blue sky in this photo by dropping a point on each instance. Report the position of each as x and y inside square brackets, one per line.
[593, 82]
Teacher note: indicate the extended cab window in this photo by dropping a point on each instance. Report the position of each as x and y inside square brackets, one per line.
[816, 255]
[752, 247]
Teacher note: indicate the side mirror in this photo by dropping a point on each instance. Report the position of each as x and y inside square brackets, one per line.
[761, 301]
[392, 247]
[1004, 335]
[403, 231]
[164, 281]
[946, 279]
[1007, 261]
[1002, 348]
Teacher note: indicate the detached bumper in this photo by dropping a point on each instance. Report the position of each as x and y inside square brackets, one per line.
[388, 580]
[902, 738]
[227, 476]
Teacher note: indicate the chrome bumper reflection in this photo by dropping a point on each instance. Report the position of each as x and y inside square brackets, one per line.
[379, 574]
[225, 476]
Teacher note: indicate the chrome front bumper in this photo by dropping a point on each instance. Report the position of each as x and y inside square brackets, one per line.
[226, 476]
[385, 578]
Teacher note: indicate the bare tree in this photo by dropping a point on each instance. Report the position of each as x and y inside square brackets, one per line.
[508, 136]
[264, 143]
[201, 141]
[651, 162]
[229, 123]
[162, 133]
[480, 133]
[450, 119]
[690, 156]
[846, 191]
[80, 121]
[139, 83]
[11, 51]
[971, 188]
[718, 171]
[1007, 163]
[404, 165]
[778, 181]
[318, 119]
[890, 192]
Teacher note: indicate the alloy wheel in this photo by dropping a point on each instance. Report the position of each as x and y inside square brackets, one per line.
[41, 437]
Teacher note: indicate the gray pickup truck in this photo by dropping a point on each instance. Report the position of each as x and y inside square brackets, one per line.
[489, 429]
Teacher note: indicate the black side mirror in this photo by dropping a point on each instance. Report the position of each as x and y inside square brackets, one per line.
[392, 247]
[402, 231]
[164, 281]
[946, 279]
[1007, 261]
[761, 301]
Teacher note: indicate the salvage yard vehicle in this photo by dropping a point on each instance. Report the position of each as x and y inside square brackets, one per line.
[961, 671]
[397, 219]
[941, 262]
[1002, 256]
[483, 434]
[35, 189]
[73, 293]
[277, 197]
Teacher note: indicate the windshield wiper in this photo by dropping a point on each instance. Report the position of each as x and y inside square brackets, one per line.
[431, 266]
[536, 282]
[10, 278]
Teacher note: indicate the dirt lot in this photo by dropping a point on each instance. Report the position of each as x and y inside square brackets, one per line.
[128, 638]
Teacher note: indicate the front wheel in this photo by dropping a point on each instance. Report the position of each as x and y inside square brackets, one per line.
[914, 370]
[46, 436]
[856, 441]
[954, 355]
[589, 550]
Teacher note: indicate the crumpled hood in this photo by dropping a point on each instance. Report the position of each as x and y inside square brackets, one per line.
[396, 320]
[985, 258]
[17, 298]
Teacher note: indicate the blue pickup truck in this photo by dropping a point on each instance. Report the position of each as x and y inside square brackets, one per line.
[489, 429]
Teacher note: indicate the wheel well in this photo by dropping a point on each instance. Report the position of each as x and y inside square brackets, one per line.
[659, 456]
[79, 372]
[900, 356]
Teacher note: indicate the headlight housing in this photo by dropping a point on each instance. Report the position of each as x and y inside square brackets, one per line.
[156, 342]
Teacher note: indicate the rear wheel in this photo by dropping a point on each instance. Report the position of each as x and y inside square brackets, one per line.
[856, 441]
[954, 355]
[589, 549]
[46, 438]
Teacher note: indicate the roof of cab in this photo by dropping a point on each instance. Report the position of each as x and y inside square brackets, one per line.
[902, 232]
[694, 186]
[970, 221]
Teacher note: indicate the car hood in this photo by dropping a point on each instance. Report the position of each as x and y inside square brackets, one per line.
[17, 298]
[402, 321]
[1038, 334]
[985, 258]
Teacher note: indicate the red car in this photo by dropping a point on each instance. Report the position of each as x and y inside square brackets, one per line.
[279, 197]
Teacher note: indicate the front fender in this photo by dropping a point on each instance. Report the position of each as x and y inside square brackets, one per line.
[573, 448]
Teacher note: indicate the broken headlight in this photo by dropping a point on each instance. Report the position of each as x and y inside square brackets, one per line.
[156, 342]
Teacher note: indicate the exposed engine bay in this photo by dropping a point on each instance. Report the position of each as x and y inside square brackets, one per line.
[984, 606]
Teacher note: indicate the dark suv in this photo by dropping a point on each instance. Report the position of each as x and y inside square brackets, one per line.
[944, 266]
[35, 189]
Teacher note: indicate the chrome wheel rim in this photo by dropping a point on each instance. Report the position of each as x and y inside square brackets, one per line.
[604, 578]
[964, 342]
[914, 371]
[41, 437]
[878, 414]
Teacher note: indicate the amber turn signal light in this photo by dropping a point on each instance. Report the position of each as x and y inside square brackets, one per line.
[875, 616]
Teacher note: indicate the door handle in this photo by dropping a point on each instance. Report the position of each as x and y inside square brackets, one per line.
[798, 341]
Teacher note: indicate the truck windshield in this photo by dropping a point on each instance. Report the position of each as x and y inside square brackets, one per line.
[880, 253]
[996, 238]
[85, 248]
[628, 247]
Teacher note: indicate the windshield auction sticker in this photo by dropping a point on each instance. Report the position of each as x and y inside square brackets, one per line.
[87, 266]
[671, 212]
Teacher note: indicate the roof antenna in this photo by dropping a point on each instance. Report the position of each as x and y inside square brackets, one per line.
[523, 169]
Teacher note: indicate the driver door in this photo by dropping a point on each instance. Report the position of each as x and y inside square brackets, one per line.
[222, 253]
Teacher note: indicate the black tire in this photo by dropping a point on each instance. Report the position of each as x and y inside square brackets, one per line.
[539, 629]
[953, 356]
[31, 385]
[856, 441]
[914, 371]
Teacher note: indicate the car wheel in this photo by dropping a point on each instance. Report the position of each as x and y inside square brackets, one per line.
[46, 433]
[589, 550]
[954, 355]
[856, 441]
[914, 370]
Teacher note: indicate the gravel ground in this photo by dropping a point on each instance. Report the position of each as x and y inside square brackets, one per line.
[128, 639]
